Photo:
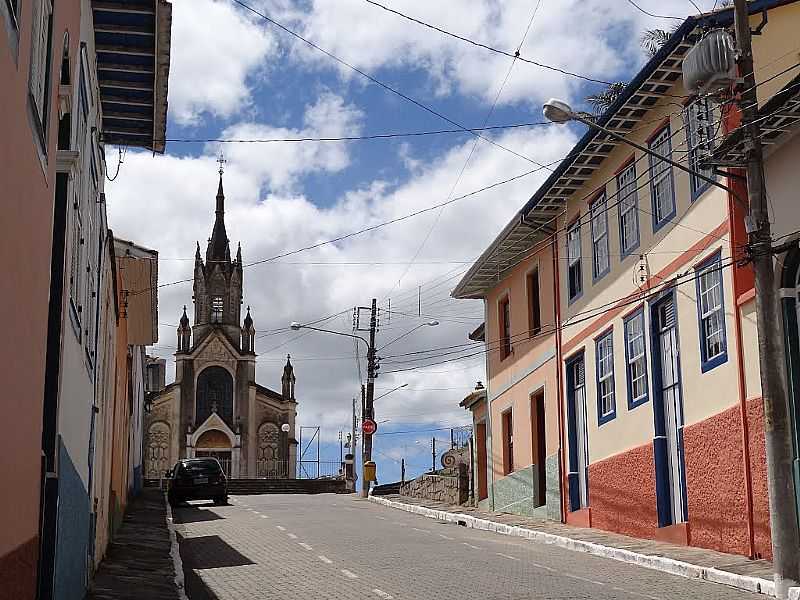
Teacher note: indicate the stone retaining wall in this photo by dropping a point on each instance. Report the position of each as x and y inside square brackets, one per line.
[448, 485]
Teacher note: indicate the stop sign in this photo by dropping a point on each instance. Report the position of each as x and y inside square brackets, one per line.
[369, 427]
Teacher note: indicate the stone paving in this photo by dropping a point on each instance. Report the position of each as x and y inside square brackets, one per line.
[138, 564]
[740, 565]
[341, 547]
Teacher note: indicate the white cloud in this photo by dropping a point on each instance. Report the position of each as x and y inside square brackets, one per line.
[215, 49]
[282, 163]
[167, 203]
[596, 38]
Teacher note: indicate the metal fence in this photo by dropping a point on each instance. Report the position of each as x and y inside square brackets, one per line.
[319, 469]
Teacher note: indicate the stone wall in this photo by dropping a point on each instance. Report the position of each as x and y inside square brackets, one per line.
[450, 486]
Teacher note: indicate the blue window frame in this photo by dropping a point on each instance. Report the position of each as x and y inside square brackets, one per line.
[662, 188]
[599, 226]
[699, 141]
[636, 359]
[711, 313]
[604, 359]
[628, 210]
[575, 271]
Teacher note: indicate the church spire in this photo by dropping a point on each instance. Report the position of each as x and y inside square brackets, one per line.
[218, 249]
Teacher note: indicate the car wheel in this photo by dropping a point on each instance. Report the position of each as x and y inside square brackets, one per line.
[220, 500]
[173, 501]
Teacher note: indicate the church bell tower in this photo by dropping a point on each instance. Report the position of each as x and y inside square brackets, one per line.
[218, 281]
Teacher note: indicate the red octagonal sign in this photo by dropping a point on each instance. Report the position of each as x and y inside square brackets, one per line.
[369, 427]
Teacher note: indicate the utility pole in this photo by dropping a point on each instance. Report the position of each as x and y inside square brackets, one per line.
[354, 446]
[783, 518]
[433, 454]
[370, 392]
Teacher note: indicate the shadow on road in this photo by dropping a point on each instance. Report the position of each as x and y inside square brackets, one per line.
[210, 552]
[194, 513]
[205, 552]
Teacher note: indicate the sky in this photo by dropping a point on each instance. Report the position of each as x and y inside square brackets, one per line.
[236, 76]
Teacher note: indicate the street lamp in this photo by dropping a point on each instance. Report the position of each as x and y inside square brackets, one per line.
[399, 387]
[295, 326]
[559, 112]
[433, 323]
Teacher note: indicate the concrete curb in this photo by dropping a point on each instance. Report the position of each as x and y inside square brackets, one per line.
[175, 553]
[648, 561]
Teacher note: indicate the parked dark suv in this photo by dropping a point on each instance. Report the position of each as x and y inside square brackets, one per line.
[197, 479]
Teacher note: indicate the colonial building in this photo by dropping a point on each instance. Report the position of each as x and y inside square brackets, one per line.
[215, 407]
[651, 310]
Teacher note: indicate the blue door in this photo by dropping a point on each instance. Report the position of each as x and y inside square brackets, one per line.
[668, 415]
[577, 439]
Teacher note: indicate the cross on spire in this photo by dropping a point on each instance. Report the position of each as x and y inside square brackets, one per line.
[221, 160]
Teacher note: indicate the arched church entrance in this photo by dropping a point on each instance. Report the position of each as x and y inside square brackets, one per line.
[790, 305]
[214, 394]
[215, 444]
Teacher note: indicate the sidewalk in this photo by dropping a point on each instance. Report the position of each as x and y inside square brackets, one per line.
[729, 569]
[139, 563]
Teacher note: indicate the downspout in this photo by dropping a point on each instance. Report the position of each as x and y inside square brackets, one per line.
[559, 383]
[748, 481]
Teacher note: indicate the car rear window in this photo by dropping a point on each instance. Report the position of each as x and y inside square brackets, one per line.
[200, 467]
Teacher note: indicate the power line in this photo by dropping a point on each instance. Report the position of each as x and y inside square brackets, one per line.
[515, 55]
[594, 313]
[353, 138]
[649, 14]
[380, 83]
[474, 146]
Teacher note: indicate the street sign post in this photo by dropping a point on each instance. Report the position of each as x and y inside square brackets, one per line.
[368, 426]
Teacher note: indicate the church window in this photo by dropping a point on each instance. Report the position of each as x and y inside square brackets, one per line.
[216, 309]
[214, 394]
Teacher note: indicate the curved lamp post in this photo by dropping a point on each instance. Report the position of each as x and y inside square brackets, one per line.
[559, 112]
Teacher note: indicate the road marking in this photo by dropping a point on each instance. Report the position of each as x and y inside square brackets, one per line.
[446, 537]
[579, 578]
[619, 589]
[281, 528]
[325, 559]
[349, 574]
[264, 517]
[422, 530]
[383, 594]
[306, 546]
[508, 556]
[381, 518]
[398, 523]
[471, 546]
[292, 536]
[546, 568]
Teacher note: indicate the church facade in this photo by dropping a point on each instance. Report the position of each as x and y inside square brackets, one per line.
[215, 407]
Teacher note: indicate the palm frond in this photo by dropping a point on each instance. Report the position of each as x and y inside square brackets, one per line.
[602, 101]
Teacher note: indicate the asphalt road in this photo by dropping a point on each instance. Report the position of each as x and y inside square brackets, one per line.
[340, 547]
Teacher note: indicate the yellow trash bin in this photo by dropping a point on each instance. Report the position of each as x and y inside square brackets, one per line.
[370, 471]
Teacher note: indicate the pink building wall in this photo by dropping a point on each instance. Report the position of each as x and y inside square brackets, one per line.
[27, 199]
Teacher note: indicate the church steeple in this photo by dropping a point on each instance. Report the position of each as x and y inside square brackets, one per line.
[218, 248]
[288, 379]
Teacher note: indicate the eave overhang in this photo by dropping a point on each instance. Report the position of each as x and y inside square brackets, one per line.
[132, 43]
[536, 220]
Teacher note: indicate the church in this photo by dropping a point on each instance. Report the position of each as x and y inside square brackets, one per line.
[215, 407]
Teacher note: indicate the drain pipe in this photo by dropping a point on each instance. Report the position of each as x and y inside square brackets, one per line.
[735, 275]
[559, 383]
